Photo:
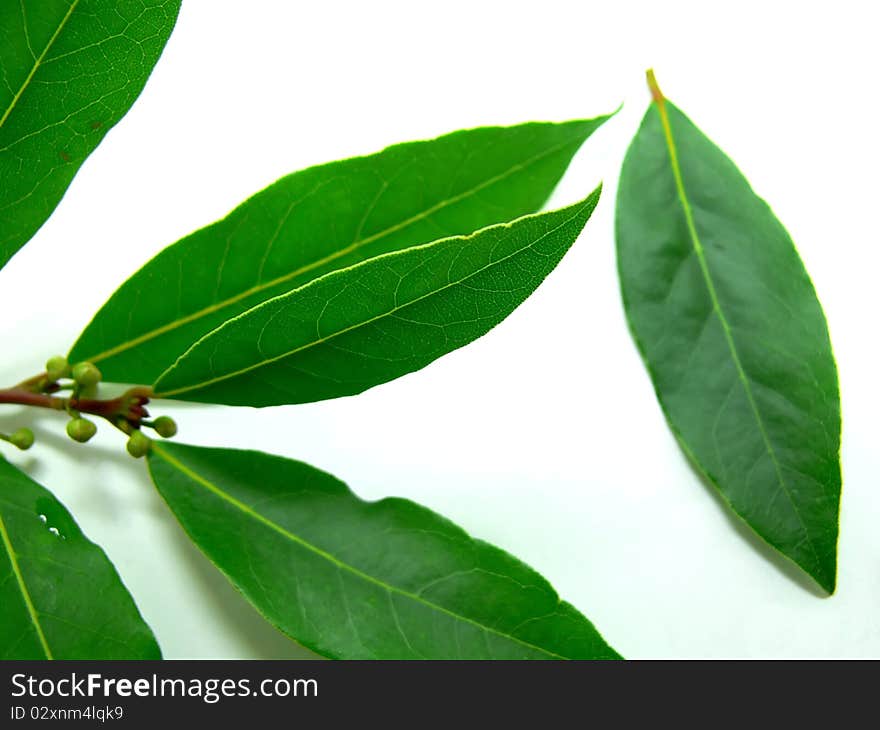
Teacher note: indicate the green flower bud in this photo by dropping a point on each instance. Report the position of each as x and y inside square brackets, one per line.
[80, 429]
[165, 427]
[57, 367]
[86, 374]
[138, 444]
[23, 439]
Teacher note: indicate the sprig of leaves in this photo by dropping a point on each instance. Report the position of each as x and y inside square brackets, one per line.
[337, 278]
[344, 276]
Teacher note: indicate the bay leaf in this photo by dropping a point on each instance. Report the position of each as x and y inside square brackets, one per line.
[316, 221]
[60, 596]
[367, 324]
[70, 70]
[733, 335]
[351, 579]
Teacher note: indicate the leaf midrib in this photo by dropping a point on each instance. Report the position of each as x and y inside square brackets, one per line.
[340, 565]
[22, 587]
[305, 268]
[388, 313]
[37, 61]
[725, 325]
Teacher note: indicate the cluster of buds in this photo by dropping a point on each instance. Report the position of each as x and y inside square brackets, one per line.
[128, 412]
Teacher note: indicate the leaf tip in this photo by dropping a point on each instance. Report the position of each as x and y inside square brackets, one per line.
[824, 573]
[654, 87]
[828, 583]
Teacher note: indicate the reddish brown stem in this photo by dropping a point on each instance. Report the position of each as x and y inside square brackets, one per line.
[38, 383]
[20, 396]
[129, 407]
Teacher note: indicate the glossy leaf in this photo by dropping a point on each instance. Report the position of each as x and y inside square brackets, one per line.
[362, 580]
[60, 597]
[735, 340]
[69, 70]
[319, 220]
[375, 321]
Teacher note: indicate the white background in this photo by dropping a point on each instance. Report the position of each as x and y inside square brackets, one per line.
[544, 437]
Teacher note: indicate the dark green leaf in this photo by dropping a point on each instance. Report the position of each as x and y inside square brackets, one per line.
[362, 580]
[318, 220]
[731, 331]
[69, 70]
[357, 327]
[60, 597]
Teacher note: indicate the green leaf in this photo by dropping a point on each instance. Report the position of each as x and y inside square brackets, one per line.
[60, 597]
[69, 70]
[319, 220]
[733, 336]
[375, 321]
[362, 580]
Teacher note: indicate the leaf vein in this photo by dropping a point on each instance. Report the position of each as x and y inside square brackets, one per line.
[728, 335]
[332, 559]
